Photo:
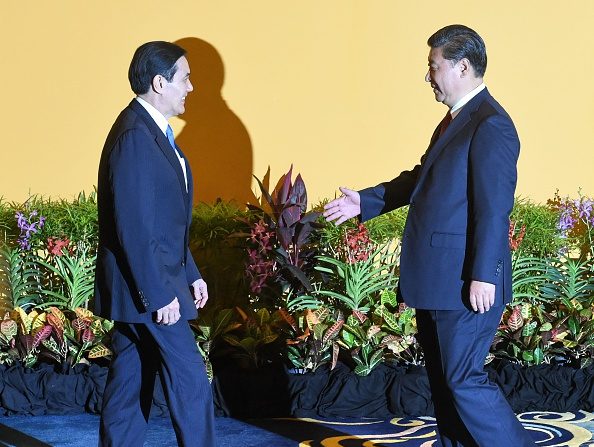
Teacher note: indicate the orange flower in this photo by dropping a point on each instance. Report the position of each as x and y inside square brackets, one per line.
[515, 241]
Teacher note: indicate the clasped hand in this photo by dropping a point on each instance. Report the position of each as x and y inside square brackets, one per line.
[170, 314]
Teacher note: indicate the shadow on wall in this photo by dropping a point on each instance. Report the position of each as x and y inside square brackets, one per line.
[214, 139]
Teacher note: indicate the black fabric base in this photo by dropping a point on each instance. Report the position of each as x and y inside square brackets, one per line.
[51, 389]
[390, 391]
[273, 392]
[545, 387]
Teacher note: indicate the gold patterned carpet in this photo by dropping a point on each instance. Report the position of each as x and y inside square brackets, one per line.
[81, 430]
[548, 429]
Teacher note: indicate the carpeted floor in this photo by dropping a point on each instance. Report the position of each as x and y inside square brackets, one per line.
[548, 429]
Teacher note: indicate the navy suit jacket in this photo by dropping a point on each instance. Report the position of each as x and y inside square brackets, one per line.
[145, 212]
[460, 197]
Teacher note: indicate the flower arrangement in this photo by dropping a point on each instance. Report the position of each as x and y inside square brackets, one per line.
[47, 283]
[317, 293]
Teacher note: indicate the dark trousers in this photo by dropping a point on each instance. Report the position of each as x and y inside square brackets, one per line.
[139, 351]
[470, 411]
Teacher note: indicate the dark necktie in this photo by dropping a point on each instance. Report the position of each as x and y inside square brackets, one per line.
[169, 133]
[445, 122]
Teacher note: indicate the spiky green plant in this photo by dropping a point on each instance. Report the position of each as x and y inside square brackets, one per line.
[19, 279]
[356, 284]
[70, 279]
[568, 279]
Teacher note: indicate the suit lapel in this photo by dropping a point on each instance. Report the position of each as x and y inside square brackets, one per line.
[439, 143]
[190, 191]
[165, 147]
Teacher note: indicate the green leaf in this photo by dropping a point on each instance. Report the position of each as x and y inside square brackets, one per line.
[388, 297]
[348, 338]
[527, 356]
[376, 358]
[302, 302]
[391, 321]
[51, 344]
[262, 316]
[529, 329]
[546, 327]
[362, 370]
[538, 356]
[573, 325]
[99, 350]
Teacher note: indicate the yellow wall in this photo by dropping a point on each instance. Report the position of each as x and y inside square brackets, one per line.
[334, 86]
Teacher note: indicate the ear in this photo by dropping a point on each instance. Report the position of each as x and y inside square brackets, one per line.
[158, 83]
[465, 67]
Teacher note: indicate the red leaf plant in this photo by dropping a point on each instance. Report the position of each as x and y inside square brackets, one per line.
[281, 255]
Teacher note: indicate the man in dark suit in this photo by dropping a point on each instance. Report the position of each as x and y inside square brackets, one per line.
[455, 265]
[146, 279]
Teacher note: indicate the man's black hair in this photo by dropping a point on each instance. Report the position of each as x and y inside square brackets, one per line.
[152, 59]
[458, 42]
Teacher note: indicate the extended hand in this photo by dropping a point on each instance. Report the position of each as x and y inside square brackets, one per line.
[482, 296]
[169, 314]
[200, 293]
[346, 206]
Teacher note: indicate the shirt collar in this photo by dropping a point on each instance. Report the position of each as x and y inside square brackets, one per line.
[155, 114]
[466, 98]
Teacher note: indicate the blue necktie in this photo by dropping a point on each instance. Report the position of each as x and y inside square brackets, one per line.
[169, 134]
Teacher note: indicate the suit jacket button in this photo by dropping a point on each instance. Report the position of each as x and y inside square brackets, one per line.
[183, 263]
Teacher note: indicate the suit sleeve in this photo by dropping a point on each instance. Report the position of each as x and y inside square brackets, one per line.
[493, 156]
[133, 183]
[388, 196]
[192, 272]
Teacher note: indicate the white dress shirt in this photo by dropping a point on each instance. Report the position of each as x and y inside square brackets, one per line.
[462, 102]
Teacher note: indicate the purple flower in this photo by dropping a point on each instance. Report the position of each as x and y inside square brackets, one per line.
[24, 243]
[585, 209]
[29, 227]
[21, 221]
[566, 220]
